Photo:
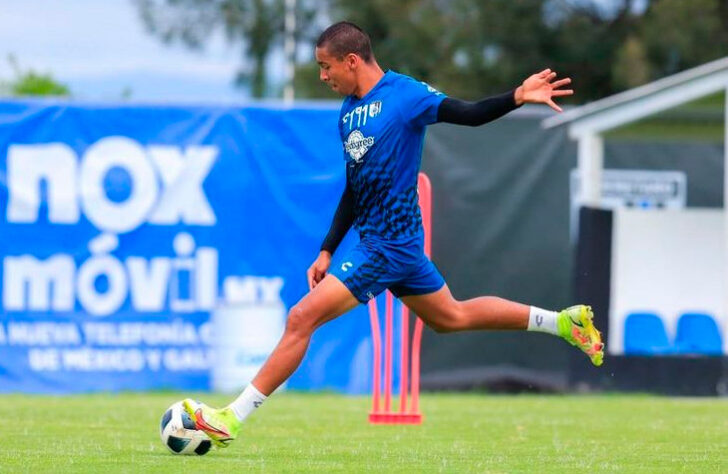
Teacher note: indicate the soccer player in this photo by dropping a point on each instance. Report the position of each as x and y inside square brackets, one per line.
[382, 126]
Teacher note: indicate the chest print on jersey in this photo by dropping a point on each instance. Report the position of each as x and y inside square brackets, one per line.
[357, 145]
[358, 117]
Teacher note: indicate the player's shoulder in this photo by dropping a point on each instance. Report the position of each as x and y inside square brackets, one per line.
[399, 78]
[408, 82]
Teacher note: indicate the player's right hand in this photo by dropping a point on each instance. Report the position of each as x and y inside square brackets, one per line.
[317, 271]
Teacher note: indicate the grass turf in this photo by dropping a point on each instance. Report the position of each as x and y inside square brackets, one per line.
[328, 433]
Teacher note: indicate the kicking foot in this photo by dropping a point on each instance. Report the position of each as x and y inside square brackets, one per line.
[221, 425]
[575, 325]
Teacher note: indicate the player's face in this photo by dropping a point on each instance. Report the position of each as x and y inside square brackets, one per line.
[337, 73]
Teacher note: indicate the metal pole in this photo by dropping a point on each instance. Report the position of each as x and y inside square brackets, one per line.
[290, 51]
[591, 162]
[725, 218]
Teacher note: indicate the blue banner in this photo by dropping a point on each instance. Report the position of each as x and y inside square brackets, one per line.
[128, 230]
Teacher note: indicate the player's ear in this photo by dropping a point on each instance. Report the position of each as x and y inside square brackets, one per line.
[352, 60]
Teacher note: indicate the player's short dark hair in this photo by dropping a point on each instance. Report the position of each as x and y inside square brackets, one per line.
[343, 38]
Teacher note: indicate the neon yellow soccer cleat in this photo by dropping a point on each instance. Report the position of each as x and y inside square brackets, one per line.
[221, 425]
[575, 325]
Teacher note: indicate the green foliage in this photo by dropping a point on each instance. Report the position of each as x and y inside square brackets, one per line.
[308, 85]
[680, 34]
[32, 83]
[256, 25]
[480, 48]
[470, 48]
[631, 68]
[296, 432]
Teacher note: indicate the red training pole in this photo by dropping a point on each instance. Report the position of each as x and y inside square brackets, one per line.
[404, 357]
[410, 361]
[377, 349]
[388, 353]
[424, 189]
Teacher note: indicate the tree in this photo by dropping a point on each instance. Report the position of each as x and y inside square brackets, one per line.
[31, 83]
[679, 35]
[410, 36]
[472, 48]
[255, 24]
[631, 68]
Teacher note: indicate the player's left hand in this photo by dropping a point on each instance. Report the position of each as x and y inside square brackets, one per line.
[541, 88]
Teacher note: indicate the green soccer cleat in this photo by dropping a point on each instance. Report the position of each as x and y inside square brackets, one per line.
[576, 327]
[221, 425]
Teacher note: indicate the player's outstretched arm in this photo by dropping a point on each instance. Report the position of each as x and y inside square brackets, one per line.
[343, 219]
[461, 112]
[540, 88]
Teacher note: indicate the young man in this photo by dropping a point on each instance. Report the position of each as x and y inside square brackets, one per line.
[382, 125]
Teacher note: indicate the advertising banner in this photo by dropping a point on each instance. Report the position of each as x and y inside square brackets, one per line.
[126, 229]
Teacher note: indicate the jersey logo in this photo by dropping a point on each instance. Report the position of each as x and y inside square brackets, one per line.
[374, 108]
[431, 89]
[357, 145]
[346, 266]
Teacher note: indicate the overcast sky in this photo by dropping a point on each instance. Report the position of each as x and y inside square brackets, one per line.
[99, 48]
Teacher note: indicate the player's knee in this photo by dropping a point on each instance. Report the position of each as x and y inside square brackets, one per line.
[452, 319]
[439, 327]
[299, 321]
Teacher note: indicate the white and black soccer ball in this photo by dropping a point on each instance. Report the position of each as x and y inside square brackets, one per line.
[179, 434]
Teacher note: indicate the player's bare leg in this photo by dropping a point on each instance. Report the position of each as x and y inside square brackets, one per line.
[441, 311]
[326, 301]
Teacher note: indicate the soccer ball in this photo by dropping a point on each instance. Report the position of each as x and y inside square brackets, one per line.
[179, 434]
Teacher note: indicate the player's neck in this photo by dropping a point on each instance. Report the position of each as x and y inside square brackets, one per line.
[369, 76]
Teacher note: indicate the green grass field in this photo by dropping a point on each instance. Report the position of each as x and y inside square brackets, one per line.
[329, 433]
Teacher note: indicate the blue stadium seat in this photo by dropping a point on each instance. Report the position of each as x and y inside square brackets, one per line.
[644, 334]
[697, 333]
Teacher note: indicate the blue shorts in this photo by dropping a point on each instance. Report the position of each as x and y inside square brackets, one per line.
[401, 266]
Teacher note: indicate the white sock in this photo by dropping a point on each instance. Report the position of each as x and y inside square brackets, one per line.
[542, 321]
[249, 400]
